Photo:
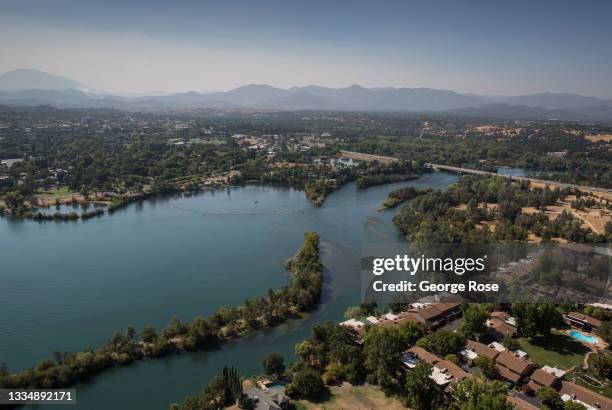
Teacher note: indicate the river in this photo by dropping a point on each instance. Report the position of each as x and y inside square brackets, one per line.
[68, 285]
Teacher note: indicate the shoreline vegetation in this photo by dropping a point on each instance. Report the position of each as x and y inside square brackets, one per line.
[316, 192]
[367, 181]
[109, 205]
[318, 184]
[399, 196]
[290, 301]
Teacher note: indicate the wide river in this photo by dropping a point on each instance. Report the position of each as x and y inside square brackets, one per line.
[69, 285]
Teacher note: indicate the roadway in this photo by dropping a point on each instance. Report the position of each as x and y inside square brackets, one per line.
[370, 157]
[515, 178]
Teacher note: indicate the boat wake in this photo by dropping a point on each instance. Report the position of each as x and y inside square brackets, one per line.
[239, 212]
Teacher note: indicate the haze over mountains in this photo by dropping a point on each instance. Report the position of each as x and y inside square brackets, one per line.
[25, 87]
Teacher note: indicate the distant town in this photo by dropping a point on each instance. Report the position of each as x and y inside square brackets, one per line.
[538, 182]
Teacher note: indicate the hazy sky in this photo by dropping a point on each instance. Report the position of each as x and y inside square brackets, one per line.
[487, 47]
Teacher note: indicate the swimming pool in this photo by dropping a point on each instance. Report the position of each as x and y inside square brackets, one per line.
[582, 337]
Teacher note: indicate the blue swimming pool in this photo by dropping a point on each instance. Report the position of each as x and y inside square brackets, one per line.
[583, 338]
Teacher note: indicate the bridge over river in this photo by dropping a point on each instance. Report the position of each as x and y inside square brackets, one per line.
[461, 170]
[438, 167]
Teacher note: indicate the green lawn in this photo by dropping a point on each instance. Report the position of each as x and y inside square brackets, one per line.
[605, 390]
[600, 384]
[55, 192]
[556, 350]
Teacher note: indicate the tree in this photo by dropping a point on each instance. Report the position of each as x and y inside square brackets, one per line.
[605, 331]
[474, 321]
[478, 393]
[307, 383]
[130, 333]
[453, 358]
[303, 350]
[368, 308]
[273, 364]
[352, 312]
[442, 342]
[382, 348]
[193, 403]
[486, 364]
[602, 363]
[536, 318]
[572, 405]
[511, 344]
[596, 312]
[13, 200]
[148, 334]
[224, 390]
[422, 393]
[472, 212]
[608, 231]
[508, 210]
[412, 331]
[550, 397]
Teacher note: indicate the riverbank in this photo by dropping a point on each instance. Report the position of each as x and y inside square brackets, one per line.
[102, 202]
[399, 196]
[302, 294]
[158, 249]
[381, 179]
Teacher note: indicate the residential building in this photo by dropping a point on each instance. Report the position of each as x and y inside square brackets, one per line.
[443, 372]
[373, 320]
[505, 317]
[584, 396]
[446, 372]
[409, 360]
[581, 320]
[353, 323]
[424, 355]
[511, 367]
[474, 349]
[541, 378]
[605, 306]
[523, 402]
[501, 325]
[497, 346]
[273, 398]
[432, 315]
[358, 327]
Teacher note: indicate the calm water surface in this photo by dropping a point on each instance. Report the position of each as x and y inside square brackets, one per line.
[68, 285]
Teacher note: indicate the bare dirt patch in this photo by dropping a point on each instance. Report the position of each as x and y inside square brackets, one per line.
[599, 137]
[592, 218]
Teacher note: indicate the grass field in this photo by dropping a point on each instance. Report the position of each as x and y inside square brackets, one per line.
[52, 193]
[348, 396]
[556, 350]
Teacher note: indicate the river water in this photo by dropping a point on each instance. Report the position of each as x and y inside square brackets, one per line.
[69, 285]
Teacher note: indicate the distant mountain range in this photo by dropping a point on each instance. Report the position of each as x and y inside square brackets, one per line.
[27, 87]
[27, 79]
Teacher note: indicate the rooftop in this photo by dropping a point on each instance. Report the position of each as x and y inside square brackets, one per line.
[571, 391]
[543, 378]
[481, 349]
[513, 363]
[424, 355]
[584, 318]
